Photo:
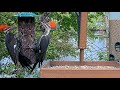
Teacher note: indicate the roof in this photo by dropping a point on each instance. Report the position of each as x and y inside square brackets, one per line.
[26, 14]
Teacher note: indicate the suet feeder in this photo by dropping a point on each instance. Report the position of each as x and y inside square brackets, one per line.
[26, 32]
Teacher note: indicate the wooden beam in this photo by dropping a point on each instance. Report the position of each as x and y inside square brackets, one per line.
[81, 56]
[83, 35]
[83, 30]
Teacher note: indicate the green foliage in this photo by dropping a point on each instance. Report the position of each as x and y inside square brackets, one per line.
[95, 21]
[60, 44]
[8, 18]
[103, 55]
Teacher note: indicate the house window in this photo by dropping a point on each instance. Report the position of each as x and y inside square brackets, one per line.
[117, 47]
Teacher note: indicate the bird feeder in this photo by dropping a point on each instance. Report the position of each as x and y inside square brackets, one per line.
[26, 32]
[82, 69]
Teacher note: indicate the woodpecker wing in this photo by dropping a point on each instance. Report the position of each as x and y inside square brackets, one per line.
[10, 41]
[42, 45]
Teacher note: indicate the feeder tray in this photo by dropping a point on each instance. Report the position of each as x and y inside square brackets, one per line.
[73, 69]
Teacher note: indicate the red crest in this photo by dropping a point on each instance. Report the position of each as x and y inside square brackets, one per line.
[2, 27]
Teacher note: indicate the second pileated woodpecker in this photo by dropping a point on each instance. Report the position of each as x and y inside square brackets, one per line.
[42, 43]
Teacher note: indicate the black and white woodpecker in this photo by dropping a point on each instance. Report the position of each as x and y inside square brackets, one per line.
[10, 42]
[12, 45]
[43, 42]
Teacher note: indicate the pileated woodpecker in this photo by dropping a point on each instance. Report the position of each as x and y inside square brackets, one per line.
[42, 43]
[13, 47]
[10, 42]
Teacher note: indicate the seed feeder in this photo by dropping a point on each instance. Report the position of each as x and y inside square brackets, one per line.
[26, 33]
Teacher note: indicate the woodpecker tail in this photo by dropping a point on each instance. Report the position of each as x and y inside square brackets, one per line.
[24, 61]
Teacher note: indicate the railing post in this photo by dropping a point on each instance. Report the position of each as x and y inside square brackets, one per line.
[83, 35]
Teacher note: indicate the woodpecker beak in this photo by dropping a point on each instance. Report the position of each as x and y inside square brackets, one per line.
[6, 30]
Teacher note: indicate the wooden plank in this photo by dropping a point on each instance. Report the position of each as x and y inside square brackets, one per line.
[83, 30]
[82, 56]
[47, 72]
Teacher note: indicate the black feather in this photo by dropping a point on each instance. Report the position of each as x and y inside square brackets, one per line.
[10, 41]
[40, 50]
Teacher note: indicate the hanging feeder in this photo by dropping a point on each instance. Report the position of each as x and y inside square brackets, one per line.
[26, 34]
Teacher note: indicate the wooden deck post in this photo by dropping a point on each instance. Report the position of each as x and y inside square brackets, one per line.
[83, 35]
